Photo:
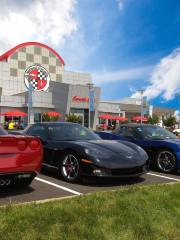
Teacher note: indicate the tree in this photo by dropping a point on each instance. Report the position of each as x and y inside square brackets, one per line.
[153, 120]
[169, 122]
[47, 118]
[74, 118]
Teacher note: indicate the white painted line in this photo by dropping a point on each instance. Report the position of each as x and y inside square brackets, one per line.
[58, 186]
[162, 176]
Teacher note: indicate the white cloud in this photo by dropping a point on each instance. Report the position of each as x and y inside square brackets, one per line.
[120, 4]
[165, 78]
[176, 113]
[122, 75]
[77, 52]
[37, 20]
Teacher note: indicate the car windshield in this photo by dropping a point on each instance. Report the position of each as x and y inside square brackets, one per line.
[71, 132]
[25, 130]
[154, 132]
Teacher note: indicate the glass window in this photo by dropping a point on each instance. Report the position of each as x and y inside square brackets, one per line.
[77, 110]
[45, 60]
[58, 62]
[15, 56]
[23, 49]
[37, 50]
[13, 72]
[86, 117]
[52, 69]
[58, 77]
[38, 130]
[81, 114]
[118, 131]
[30, 57]
[51, 54]
[154, 132]
[126, 132]
[21, 64]
[71, 132]
[37, 117]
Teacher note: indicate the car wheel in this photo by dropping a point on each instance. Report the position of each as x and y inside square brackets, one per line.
[165, 161]
[70, 168]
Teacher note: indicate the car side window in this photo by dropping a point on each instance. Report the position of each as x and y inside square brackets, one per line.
[128, 132]
[118, 131]
[38, 131]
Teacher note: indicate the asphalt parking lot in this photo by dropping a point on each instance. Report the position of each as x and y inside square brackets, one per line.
[47, 187]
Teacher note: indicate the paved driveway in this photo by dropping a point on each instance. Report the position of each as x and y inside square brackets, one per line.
[47, 186]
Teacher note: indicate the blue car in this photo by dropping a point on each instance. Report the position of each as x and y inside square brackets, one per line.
[162, 146]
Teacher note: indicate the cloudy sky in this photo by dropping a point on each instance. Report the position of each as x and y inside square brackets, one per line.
[125, 44]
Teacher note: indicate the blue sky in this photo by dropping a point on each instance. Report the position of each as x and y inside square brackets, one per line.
[139, 35]
[125, 44]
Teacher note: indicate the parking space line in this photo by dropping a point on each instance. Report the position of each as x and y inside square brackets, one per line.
[162, 176]
[58, 186]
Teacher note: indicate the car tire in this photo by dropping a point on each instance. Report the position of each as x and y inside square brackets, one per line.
[165, 161]
[70, 168]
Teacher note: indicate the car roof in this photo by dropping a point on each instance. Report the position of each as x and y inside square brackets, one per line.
[136, 125]
[55, 123]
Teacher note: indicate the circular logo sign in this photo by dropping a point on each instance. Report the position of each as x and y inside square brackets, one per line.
[38, 77]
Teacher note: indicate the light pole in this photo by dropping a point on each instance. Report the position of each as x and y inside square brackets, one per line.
[119, 108]
[141, 91]
[90, 87]
[178, 96]
[29, 101]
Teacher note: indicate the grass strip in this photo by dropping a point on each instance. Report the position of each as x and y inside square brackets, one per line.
[134, 212]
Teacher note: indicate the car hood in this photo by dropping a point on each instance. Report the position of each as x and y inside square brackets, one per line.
[114, 154]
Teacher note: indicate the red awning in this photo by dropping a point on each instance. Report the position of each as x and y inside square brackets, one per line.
[107, 116]
[138, 118]
[54, 114]
[14, 114]
[119, 118]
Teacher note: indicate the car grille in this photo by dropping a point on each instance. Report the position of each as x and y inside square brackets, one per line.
[128, 171]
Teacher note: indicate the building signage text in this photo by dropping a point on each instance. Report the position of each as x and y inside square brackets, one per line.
[80, 99]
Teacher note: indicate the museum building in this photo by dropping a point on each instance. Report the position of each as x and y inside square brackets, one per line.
[39, 67]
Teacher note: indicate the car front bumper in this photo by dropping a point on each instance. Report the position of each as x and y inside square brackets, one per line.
[93, 170]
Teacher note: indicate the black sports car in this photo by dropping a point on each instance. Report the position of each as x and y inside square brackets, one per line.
[76, 151]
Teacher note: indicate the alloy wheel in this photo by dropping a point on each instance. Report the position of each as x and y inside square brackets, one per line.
[166, 161]
[70, 167]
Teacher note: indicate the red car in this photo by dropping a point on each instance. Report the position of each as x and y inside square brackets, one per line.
[20, 159]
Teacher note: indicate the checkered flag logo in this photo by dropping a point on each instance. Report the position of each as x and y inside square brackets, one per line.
[38, 77]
